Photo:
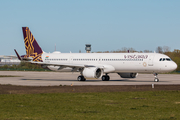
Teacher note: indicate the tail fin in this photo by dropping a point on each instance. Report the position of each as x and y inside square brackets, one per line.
[32, 48]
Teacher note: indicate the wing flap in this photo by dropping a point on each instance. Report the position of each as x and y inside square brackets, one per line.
[63, 65]
[60, 64]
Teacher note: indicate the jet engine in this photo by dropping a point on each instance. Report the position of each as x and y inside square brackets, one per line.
[92, 72]
[128, 75]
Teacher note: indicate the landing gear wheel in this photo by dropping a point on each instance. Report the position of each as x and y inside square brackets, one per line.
[81, 78]
[156, 80]
[105, 78]
[156, 77]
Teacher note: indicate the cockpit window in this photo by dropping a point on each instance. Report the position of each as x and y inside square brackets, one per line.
[165, 59]
[168, 59]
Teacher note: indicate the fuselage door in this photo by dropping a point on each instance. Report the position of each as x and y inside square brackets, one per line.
[150, 61]
[71, 59]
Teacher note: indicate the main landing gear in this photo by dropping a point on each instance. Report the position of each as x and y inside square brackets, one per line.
[81, 78]
[105, 77]
[156, 77]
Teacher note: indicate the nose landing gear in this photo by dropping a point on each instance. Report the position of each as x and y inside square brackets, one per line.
[156, 79]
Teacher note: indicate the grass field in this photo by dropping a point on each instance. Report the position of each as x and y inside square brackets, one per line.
[8, 76]
[150, 105]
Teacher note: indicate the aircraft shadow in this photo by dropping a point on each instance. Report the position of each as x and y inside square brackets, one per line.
[126, 80]
[48, 80]
[62, 80]
[121, 80]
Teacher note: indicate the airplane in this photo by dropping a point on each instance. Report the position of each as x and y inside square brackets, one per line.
[96, 65]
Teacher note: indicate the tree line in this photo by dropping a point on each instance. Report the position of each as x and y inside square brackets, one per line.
[24, 66]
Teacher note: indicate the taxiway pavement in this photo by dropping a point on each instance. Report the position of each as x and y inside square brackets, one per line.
[26, 78]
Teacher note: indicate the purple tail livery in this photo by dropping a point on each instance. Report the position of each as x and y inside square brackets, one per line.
[33, 50]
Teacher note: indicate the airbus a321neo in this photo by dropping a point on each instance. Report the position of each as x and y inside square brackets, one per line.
[96, 65]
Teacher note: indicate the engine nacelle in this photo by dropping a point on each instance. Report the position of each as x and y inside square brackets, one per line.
[128, 75]
[92, 72]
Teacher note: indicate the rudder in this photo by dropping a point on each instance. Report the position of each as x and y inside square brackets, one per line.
[32, 47]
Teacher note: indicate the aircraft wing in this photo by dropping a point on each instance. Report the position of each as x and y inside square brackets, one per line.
[106, 68]
[64, 64]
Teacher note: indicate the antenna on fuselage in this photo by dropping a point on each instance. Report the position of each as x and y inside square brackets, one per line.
[55, 47]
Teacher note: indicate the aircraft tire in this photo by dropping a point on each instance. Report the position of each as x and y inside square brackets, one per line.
[105, 78]
[81, 78]
[108, 78]
[156, 80]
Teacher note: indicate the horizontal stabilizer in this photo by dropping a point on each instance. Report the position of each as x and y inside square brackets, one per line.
[28, 59]
[22, 58]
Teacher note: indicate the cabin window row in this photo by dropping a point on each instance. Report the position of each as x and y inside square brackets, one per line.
[100, 59]
[85, 59]
[57, 59]
[122, 59]
[108, 59]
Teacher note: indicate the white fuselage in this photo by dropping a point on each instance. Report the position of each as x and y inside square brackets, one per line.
[114, 62]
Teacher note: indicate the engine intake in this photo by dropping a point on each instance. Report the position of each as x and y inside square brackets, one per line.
[92, 72]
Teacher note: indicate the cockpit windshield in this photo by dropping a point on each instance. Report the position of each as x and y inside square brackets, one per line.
[165, 59]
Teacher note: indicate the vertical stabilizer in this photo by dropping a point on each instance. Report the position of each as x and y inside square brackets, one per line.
[32, 48]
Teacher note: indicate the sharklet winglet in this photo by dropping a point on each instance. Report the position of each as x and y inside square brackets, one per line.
[17, 55]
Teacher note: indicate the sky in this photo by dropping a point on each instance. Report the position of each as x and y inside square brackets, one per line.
[105, 24]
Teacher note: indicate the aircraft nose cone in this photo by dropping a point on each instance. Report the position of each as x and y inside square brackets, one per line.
[174, 66]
